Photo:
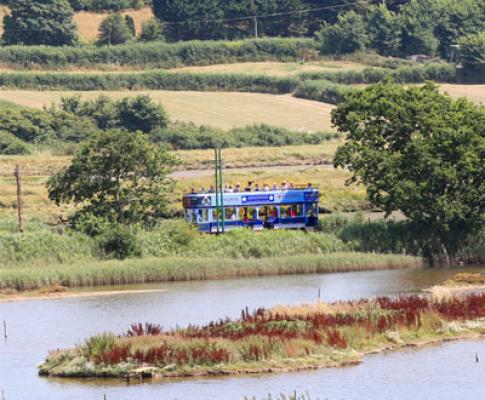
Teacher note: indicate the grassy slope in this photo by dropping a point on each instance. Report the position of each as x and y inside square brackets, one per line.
[224, 110]
[88, 22]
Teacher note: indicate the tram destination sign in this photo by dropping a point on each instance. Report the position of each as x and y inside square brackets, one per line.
[257, 198]
[242, 199]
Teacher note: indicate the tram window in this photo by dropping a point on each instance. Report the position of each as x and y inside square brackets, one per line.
[202, 215]
[243, 214]
[230, 214]
[299, 210]
[273, 212]
[263, 213]
[252, 213]
[311, 210]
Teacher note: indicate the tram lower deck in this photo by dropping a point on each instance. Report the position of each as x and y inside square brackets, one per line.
[280, 209]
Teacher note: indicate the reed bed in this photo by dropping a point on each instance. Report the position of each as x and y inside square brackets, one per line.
[273, 340]
[145, 270]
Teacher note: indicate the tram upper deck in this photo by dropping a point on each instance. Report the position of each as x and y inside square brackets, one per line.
[270, 209]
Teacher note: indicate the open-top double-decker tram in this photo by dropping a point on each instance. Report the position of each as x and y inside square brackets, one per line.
[273, 209]
[219, 210]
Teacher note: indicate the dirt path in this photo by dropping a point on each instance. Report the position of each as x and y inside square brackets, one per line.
[198, 173]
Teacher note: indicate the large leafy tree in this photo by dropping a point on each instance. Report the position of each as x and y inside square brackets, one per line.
[418, 19]
[472, 56]
[383, 27]
[117, 176]
[189, 19]
[422, 153]
[37, 22]
[116, 29]
[349, 34]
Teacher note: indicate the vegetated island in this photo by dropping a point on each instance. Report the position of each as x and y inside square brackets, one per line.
[284, 338]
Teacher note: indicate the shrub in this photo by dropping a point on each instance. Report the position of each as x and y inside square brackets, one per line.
[118, 242]
[140, 113]
[323, 91]
[116, 29]
[9, 144]
[152, 30]
[187, 136]
[346, 36]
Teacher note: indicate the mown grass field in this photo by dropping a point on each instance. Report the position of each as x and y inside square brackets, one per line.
[475, 93]
[88, 22]
[219, 109]
[276, 68]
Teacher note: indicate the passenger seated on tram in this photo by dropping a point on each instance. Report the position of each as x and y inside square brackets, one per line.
[211, 190]
[230, 189]
[237, 189]
[265, 188]
[202, 190]
[257, 188]
[310, 186]
[275, 186]
[192, 191]
[283, 185]
[249, 188]
[292, 185]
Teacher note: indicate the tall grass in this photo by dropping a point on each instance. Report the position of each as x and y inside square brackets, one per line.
[265, 340]
[90, 273]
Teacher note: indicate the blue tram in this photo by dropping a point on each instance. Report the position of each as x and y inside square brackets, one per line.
[274, 209]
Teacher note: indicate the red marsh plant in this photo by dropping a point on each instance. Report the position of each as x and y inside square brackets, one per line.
[144, 330]
[261, 334]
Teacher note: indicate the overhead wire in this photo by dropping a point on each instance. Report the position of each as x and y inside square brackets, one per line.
[242, 18]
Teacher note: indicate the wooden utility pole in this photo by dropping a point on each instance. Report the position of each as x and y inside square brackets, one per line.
[20, 199]
[256, 26]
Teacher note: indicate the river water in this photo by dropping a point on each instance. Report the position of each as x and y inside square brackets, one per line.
[447, 371]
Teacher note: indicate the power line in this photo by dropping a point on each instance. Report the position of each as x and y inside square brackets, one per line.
[279, 14]
[250, 17]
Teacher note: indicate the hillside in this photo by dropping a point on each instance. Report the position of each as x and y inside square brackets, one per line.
[219, 109]
[88, 22]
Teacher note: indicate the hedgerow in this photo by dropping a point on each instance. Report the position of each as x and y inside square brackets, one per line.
[155, 80]
[157, 54]
[406, 74]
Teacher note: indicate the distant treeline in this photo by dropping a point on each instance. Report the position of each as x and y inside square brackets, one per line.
[100, 5]
[397, 28]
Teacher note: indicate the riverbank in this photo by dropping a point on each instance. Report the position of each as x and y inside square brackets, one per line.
[285, 338]
[146, 270]
[60, 292]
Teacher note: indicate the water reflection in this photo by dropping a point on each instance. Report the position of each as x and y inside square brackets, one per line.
[38, 326]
